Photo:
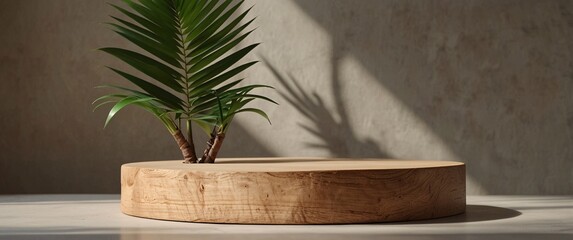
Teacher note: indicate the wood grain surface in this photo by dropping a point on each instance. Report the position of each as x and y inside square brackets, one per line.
[293, 190]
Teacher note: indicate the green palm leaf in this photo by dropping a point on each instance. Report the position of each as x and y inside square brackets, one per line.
[221, 37]
[254, 110]
[220, 66]
[171, 100]
[124, 103]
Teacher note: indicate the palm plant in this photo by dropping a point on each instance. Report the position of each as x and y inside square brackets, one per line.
[191, 60]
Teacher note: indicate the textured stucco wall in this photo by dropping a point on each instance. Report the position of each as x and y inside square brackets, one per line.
[488, 83]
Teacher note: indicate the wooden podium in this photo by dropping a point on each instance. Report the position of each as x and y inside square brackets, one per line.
[293, 190]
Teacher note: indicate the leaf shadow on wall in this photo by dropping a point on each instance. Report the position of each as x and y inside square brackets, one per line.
[335, 136]
[482, 76]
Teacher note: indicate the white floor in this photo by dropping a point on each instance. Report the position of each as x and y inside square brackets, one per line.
[98, 217]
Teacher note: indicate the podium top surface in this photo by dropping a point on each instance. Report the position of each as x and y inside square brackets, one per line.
[295, 164]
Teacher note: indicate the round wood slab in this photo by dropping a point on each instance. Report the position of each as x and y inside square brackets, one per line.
[293, 190]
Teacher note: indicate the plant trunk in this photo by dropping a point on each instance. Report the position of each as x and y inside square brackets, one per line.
[187, 151]
[217, 143]
[209, 145]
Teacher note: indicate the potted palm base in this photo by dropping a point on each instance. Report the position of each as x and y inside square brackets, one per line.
[189, 63]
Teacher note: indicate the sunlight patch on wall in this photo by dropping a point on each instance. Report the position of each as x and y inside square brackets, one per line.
[377, 113]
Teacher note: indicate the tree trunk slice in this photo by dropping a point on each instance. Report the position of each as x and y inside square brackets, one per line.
[293, 190]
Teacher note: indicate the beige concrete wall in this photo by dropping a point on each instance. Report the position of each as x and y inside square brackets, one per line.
[488, 83]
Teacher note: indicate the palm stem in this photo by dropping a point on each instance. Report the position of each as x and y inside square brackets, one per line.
[186, 150]
[214, 150]
[210, 143]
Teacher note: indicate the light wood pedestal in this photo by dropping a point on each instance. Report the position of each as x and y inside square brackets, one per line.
[293, 190]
